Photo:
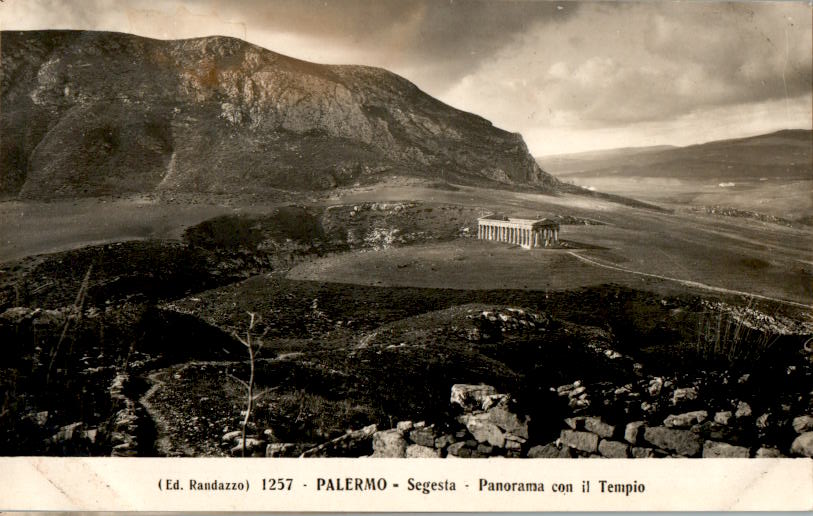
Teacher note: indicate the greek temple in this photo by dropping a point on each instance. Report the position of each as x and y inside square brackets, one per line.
[527, 233]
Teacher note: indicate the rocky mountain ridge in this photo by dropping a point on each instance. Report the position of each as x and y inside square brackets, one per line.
[95, 113]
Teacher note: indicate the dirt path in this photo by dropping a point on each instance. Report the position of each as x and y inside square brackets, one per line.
[688, 283]
[164, 444]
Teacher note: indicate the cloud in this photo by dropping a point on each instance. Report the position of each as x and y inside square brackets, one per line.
[618, 65]
[569, 69]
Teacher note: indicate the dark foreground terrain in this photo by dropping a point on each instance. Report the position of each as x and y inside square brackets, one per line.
[134, 348]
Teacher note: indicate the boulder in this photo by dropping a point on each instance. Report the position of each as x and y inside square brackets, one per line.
[684, 394]
[347, 445]
[682, 442]
[743, 410]
[471, 397]
[485, 449]
[613, 449]
[424, 436]
[803, 445]
[508, 421]
[763, 421]
[128, 449]
[598, 427]
[389, 443]
[483, 430]
[639, 452]
[443, 441]
[231, 436]
[562, 390]
[655, 386]
[416, 451]
[252, 444]
[714, 449]
[802, 424]
[686, 419]
[634, 431]
[549, 451]
[714, 431]
[494, 400]
[280, 450]
[578, 391]
[464, 453]
[404, 426]
[584, 441]
[513, 445]
[724, 417]
[90, 434]
[68, 432]
[40, 418]
[454, 449]
[575, 423]
[766, 452]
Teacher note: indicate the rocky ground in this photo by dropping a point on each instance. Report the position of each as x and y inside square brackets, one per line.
[131, 349]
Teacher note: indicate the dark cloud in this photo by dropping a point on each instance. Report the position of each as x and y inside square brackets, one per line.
[448, 37]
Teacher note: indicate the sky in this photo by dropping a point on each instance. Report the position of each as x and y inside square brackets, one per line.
[568, 76]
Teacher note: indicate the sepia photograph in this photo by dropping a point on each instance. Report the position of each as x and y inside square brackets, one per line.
[406, 229]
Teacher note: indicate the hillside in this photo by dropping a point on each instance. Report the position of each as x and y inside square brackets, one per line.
[784, 154]
[95, 113]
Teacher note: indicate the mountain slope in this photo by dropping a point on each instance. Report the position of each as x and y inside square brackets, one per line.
[786, 154]
[95, 113]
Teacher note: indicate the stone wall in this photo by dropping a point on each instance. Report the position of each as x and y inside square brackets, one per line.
[490, 424]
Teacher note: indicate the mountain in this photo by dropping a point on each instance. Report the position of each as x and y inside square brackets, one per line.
[97, 113]
[785, 154]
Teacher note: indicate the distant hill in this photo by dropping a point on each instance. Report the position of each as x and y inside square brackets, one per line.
[787, 154]
[97, 113]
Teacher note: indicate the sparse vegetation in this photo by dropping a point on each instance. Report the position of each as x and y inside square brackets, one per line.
[733, 340]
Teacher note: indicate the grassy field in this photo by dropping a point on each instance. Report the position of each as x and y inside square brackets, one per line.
[464, 264]
[725, 252]
[789, 199]
[29, 228]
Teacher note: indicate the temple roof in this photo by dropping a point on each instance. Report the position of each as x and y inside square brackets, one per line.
[518, 220]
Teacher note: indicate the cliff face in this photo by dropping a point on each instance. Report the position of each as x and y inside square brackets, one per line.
[94, 113]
